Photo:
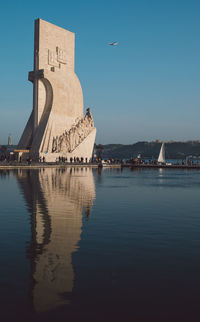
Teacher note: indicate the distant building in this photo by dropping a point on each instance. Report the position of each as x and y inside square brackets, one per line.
[9, 140]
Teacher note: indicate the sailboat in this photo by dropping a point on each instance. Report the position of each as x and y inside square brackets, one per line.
[161, 158]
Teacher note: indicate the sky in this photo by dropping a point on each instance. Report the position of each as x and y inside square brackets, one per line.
[146, 88]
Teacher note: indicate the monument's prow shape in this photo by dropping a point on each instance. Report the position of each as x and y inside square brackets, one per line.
[57, 126]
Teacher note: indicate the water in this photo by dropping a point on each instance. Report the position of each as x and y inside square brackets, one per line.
[84, 245]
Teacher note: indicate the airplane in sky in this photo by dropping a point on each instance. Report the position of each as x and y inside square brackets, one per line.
[114, 43]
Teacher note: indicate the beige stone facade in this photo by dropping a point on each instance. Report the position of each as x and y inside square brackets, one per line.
[57, 126]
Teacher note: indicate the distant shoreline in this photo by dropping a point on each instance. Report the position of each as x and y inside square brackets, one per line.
[150, 150]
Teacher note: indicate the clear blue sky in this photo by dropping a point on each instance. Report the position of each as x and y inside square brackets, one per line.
[146, 88]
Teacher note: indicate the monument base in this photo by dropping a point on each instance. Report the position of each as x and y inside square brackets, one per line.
[83, 150]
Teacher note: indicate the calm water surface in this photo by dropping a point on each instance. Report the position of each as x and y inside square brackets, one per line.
[83, 245]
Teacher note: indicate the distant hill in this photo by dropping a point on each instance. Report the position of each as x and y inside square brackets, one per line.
[174, 150]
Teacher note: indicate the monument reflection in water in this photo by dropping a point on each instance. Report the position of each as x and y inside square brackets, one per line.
[56, 199]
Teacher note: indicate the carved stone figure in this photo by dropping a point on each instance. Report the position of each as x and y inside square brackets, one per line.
[69, 140]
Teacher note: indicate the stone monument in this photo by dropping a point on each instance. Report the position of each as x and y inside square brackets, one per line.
[57, 126]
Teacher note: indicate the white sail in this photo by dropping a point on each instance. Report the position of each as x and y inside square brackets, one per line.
[161, 157]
